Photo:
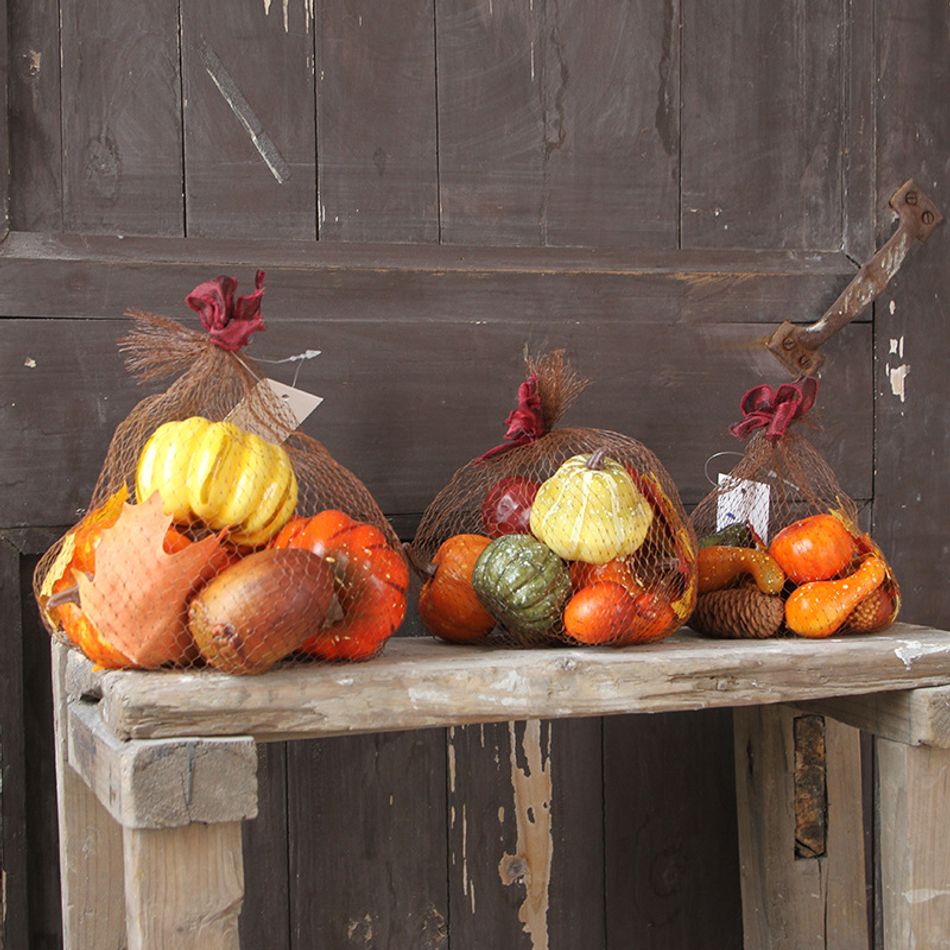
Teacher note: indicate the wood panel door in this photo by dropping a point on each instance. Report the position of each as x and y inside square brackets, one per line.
[431, 185]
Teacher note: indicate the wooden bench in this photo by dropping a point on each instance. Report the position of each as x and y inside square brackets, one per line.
[156, 771]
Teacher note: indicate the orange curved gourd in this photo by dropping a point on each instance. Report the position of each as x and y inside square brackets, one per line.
[448, 604]
[820, 608]
[813, 549]
[720, 566]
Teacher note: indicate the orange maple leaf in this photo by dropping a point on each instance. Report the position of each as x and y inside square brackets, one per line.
[138, 596]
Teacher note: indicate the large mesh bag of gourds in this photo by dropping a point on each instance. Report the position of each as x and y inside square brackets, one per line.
[217, 535]
[559, 535]
[780, 547]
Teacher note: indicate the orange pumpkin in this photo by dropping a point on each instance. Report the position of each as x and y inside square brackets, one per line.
[618, 571]
[448, 605]
[608, 612]
[813, 549]
[370, 582]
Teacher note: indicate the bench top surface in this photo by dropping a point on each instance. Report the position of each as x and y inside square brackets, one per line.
[419, 682]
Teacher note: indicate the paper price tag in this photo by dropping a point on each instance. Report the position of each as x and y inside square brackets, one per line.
[296, 404]
[742, 500]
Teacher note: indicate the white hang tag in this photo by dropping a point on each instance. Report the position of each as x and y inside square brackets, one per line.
[296, 404]
[741, 500]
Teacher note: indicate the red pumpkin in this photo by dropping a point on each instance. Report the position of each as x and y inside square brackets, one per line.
[448, 605]
[507, 506]
[370, 582]
[813, 549]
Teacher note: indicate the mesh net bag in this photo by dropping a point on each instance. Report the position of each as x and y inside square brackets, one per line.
[780, 548]
[557, 536]
[216, 535]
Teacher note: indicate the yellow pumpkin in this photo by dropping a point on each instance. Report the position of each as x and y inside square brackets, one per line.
[590, 510]
[220, 474]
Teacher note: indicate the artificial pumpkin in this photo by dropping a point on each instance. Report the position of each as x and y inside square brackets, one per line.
[220, 474]
[371, 582]
[619, 571]
[523, 584]
[507, 506]
[813, 549]
[448, 604]
[721, 566]
[591, 510]
[607, 612]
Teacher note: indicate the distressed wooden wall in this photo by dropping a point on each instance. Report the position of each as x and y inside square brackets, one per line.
[430, 185]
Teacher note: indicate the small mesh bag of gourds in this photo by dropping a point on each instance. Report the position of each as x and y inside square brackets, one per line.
[557, 536]
[780, 548]
[217, 535]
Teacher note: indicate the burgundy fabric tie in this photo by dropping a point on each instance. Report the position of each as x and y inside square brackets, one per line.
[229, 322]
[774, 409]
[526, 423]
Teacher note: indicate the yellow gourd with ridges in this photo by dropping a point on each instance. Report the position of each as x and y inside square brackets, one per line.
[220, 474]
[590, 510]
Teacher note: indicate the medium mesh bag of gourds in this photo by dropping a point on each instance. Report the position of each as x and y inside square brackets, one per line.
[217, 535]
[780, 547]
[559, 535]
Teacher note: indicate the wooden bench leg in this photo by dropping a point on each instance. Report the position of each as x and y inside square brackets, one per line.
[914, 829]
[802, 862]
[184, 887]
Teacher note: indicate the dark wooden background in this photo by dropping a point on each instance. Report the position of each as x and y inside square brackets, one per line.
[430, 184]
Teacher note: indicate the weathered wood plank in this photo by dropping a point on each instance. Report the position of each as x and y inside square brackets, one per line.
[376, 121]
[558, 122]
[788, 902]
[670, 832]
[122, 152]
[913, 789]
[367, 841]
[250, 152]
[526, 834]
[763, 124]
[183, 886]
[6, 67]
[912, 346]
[419, 683]
[648, 380]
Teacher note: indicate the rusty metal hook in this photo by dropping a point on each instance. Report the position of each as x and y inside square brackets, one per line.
[796, 347]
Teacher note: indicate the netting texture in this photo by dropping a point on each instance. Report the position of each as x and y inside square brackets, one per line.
[781, 552]
[570, 535]
[231, 543]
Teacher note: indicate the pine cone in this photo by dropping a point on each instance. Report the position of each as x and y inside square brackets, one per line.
[873, 613]
[740, 612]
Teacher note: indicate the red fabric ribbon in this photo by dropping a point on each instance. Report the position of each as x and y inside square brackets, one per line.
[526, 423]
[774, 409]
[229, 322]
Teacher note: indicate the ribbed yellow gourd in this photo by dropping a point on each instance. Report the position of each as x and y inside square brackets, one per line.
[590, 510]
[220, 474]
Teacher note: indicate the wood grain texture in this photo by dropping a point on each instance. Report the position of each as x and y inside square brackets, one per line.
[122, 153]
[558, 122]
[647, 380]
[670, 832]
[526, 834]
[376, 121]
[913, 789]
[183, 886]
[250, 151]
[789, 903]
[419, 683]
[5, 68]
[36, 161]
[763, 124]
[367, 841]
[912, 346]
[91, 863]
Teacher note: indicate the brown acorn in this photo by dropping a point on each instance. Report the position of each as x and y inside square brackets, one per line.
[261, 609]
[739, 612]
[875, 612]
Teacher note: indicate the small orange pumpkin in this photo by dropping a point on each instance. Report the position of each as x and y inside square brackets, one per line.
[813, 549]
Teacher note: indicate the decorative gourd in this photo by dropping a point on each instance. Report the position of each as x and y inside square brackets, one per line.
[618, 571]
[819, 608]
[220, 474]
[507, 506]
[608, 612]
[523, 584]
[448, 605]
[738, 535]
[370, 581]
[591, 510]
[261, 609]
[721, 566]
[813, 549]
